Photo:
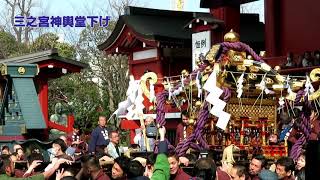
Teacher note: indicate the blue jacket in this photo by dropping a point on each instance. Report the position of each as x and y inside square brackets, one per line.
[99, 137]
[284, 132]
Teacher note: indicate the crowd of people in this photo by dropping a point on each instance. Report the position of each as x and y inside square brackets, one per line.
[305, 60]
[102, 158]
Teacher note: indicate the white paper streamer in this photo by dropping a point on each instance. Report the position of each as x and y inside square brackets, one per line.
[218, 104]
[308, 86]
[240, 86]
[198, 84]
[182, 81]
[152, 93]
[169, 89]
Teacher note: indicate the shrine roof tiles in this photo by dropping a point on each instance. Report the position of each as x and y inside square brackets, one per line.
[207, 17]
[157, 25]
[38, 57]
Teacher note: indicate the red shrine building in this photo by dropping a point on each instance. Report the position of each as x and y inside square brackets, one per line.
[290, 25]
[161, 41]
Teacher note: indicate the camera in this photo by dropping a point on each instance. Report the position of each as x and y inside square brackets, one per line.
[203, 154]
[21, 165]
[41, 167]
[151, 130]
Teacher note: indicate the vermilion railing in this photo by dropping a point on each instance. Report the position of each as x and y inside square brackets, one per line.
[66, 129]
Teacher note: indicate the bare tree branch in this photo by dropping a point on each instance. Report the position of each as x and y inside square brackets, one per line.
[23, 8]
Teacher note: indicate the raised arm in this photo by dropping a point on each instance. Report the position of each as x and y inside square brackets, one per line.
[162, 167]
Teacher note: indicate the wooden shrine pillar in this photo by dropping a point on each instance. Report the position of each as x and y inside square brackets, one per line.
[231, 17]
[43, 98]
[271, 27]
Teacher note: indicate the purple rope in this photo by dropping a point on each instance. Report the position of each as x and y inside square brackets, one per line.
[306, 130]
[307, 103]
[180, 145]
[299, 95]
[160, 119]
[297, 148]
[239, 46]
[226, 94]
[180, 152]
[195, 146]
[198, 133]
[161, 101]
[305, 126]
[203, 143]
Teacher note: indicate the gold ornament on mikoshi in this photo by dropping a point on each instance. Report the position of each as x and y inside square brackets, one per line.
[208, 69]
[280, 78]
[252, 76]
[185, 73]
[204, 77]
[236, 57]
[277, 68]
[231, 36]
[268, 81]
[263, 54]
[241, 68]
[297, 84]
[254, 69]
[198, 62]
[152, 77]
[198, 104]
[151, 108]
[191, 121]
[211, 56]
[315, 75]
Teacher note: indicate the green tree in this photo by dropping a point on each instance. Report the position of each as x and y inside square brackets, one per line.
[81, 94]
[44, 42]
[50, 40]
[110, 71]
[8, 44]
[15, 8]
[74, 90]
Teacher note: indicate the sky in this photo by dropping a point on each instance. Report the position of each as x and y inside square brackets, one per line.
[72, 6]
[95, 8]
[76, 6]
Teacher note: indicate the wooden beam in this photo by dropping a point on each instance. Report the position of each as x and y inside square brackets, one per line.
[123, 37]
[59, 64]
